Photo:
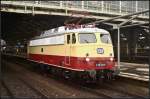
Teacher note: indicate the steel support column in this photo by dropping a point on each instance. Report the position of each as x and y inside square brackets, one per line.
[118, 48]
[102, 4]
[121, 24]
[136, 6]
[149, 55]
[119, 6]
[82, 4]
[33, 10]
[61, 3]
[134, 41]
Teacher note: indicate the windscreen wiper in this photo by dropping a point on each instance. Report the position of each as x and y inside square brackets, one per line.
[86, 41]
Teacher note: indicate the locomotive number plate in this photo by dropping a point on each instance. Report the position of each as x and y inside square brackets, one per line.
[99, 65]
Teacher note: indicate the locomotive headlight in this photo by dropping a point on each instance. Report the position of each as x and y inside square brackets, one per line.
[87, 59]
[111, 59]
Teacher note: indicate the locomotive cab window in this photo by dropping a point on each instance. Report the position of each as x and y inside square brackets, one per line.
[105, 38]
[87, 38]
[68, 39]
[73, 38]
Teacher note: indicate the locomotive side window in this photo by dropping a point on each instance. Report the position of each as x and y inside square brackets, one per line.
[87, 38]
[68, 39]
[105, 38]
[73, 38]
[41, 49]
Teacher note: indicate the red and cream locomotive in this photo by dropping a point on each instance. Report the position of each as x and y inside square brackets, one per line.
[86, 51]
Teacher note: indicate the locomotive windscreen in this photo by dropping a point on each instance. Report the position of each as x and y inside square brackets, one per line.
[105, 38]
[87, 38]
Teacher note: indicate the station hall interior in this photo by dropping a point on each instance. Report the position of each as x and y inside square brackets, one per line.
[21, 21]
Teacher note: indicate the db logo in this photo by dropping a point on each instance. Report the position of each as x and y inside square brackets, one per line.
[100, 50]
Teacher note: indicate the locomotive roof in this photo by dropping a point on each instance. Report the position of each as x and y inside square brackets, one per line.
[62, 30]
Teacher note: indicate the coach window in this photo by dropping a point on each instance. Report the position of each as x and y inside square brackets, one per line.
[73, 38]
[68, 39]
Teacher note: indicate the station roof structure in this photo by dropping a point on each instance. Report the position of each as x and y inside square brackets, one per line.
[25, 19]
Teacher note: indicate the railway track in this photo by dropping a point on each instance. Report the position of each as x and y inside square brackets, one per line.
[34, 89]
[104, 90]
[109, 86]
[10, 94]
[77, 87]
[14, 93]
[17, 87]
[26, 91]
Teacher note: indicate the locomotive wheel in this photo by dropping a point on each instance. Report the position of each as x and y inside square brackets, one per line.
[53, 71]
[59, 72]
[73, 75]
[66, 74]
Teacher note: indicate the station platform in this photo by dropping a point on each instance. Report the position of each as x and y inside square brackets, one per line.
[129, 70]
[135, 71]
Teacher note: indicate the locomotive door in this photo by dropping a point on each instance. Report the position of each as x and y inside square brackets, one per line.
[68, 49]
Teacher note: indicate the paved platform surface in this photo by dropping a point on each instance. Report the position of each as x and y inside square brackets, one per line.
[131, 70]
[136, 71]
